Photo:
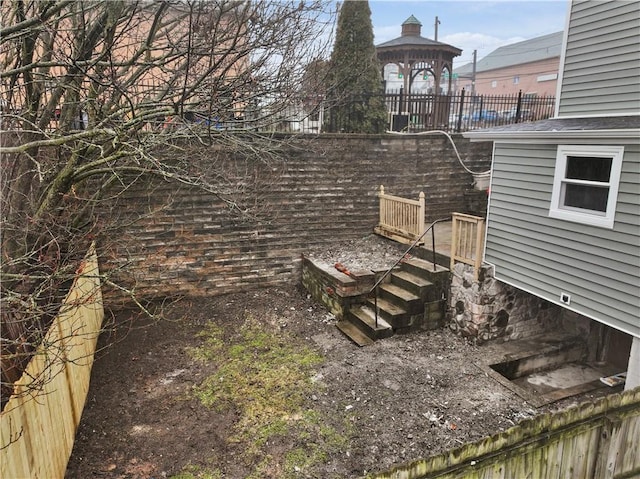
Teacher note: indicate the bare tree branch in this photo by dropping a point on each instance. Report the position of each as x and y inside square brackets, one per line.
[96, 95]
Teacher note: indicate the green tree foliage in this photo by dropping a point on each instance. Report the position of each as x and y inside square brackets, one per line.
[355, 93]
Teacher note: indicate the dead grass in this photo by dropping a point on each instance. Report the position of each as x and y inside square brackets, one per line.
[266, 377]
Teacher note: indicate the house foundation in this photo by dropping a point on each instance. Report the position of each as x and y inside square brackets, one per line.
[488, 309]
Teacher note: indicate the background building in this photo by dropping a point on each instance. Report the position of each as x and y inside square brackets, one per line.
[530, 66]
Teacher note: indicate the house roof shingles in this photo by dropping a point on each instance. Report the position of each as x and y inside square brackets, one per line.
[528, 51]
[623, 125]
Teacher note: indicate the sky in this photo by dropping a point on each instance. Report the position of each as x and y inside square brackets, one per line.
[481, 25]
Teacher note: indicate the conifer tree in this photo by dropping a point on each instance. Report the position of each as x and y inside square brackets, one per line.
[355, 92]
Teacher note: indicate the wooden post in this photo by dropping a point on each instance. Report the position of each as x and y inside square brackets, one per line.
[454, 240]
[421, 213]
[479, 246]
[382, 205]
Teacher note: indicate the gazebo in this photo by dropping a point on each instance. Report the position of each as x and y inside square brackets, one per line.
[415, 55]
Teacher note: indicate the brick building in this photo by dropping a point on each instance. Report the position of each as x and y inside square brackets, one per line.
[530, 66]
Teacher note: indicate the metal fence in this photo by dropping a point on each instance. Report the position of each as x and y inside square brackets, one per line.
[457, 112]
[413, 112]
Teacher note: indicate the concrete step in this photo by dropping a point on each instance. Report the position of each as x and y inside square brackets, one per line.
[364, 318]
[422, 268]
[400, 296]
[415, 284]
[354, 333]
[395, 315]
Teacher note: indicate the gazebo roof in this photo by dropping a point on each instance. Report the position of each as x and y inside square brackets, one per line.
[412, 40]
[416, 41]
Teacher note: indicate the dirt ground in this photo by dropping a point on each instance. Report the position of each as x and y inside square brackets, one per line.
[401, 399]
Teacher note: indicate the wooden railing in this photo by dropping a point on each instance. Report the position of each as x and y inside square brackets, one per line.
[467, 240]
[39, 422]
[401, 219]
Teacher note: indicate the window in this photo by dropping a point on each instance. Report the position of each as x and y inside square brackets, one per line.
[494, 84]
[516, 80]
[547, 77]
[585, 185]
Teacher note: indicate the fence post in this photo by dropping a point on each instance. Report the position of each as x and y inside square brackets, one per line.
[519, 107]
[458, 126]
[454, 240]
[421, 213]
[479, 247]
[381, 202]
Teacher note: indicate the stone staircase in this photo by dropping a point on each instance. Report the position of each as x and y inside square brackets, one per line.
[411, 299]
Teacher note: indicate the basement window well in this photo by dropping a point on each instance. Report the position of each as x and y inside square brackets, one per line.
[554, 371]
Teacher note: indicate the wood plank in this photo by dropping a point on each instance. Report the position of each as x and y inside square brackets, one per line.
[38, 424]
[353, 333]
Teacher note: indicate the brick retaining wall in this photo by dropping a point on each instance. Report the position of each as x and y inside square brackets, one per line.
[323, 192]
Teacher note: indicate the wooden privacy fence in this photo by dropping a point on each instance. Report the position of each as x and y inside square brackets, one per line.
[401, 219]
[597, 440]
[39, 422]
[467, 240]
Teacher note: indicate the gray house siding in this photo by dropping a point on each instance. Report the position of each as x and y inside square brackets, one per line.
[602, 60]
[598, 267]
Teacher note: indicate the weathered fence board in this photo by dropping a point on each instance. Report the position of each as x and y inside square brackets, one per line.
[39, 422]
[590, 441]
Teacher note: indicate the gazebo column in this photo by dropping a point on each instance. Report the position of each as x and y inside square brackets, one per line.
[412, 49]
[440, 108]
[406, 81]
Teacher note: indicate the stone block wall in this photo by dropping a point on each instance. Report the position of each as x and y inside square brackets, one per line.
[488, 309]
[336, 290]
[315, 191]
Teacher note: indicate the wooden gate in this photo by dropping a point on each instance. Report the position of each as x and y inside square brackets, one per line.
[401, 219]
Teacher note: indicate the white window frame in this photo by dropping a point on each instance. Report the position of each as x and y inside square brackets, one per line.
[581, 215]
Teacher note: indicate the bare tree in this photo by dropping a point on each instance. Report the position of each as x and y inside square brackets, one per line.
[97, 94]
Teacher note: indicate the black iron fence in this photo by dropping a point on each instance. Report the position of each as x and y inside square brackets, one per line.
[412, 112]
[457, 112]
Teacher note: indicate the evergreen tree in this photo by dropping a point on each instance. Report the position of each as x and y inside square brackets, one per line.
[355, 93]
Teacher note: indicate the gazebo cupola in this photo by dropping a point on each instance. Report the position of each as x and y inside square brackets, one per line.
[411, 27]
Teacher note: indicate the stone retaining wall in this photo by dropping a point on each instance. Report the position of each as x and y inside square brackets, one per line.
[336, 290]
[315, 192]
